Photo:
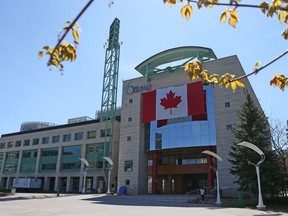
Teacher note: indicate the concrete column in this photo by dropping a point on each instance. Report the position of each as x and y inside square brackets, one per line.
[81, 182]
[19, 163]
[68, 188]
[3, 162]
[56, 186]
[38, 161]
[58, 164]
[46, 184]
[94, 182]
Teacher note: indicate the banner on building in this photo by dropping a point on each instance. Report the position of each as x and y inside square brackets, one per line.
[174, 102]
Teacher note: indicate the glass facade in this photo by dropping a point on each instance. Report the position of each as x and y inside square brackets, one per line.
[48, 160]
[183, 132]
[95, 154]
[1, 160]
[70, 158]
[11, 162]
[28, 161]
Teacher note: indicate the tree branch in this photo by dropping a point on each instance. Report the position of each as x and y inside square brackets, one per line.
[240, 5]
[69, 28]
[261, 68]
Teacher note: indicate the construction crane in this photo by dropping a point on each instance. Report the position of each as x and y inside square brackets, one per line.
[110, 84]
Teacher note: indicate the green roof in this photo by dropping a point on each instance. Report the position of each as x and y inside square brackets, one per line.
[149, 66]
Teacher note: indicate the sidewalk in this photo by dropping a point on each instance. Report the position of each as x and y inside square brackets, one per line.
[26, 204]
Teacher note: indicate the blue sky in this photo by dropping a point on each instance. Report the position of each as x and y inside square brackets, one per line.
[29, 91]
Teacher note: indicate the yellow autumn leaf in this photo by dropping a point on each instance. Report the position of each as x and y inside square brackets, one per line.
[214, 78]
[239, 83]
[198, 65]
[46, 48]
[186, 67]
[286, 18]
[186, 11]
[276, 3]
[285, 34]
[281, 16]
[258, 63]
[40, 54]
[205, 75]
[223, 17]
[76, 35]
[264, 6]
[233, 86]
[233, 18]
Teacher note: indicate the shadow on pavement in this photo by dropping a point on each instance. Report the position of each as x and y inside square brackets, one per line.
[146, 200]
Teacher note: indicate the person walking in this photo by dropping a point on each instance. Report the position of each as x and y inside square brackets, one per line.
[202, 194]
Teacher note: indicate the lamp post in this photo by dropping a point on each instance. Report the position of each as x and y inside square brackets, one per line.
[86, 165]
[109, 172]
[260, 205]
[218, 200]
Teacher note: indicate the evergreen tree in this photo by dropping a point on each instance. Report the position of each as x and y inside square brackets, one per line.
[253, 127]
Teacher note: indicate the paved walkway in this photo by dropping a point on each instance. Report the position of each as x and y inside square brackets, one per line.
[22, 204]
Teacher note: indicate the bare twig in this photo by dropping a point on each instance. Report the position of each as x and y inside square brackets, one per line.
[257, 70]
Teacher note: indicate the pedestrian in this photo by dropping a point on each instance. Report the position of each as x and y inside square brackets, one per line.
[202, 194]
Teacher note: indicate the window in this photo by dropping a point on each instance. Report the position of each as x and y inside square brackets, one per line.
[26, 142]
[78, 136]
[128, 138]
[45, 140]
[10, 145]
[129, 119]
[91, 134]
[11, 163]
[128, 166]
[48, 159]
[56, 139]
[70, 157]
[66, 137]
[95, 154]
[229, 127]
[49, 152]
[227, 104]
[35, 141]
[102, 132]
[28, 161]
[130, 101]
[2, 145]
[18, 143]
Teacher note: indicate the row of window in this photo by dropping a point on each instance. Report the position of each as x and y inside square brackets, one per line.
[53, 139]
[48, 158]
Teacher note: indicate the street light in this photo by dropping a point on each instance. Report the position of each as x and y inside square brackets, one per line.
[218, 201]
[109, 170]
[260, 205]
[86, 165]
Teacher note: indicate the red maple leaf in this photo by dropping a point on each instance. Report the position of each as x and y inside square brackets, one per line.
[170, 101]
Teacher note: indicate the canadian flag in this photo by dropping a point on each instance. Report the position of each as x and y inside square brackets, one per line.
[174, 102]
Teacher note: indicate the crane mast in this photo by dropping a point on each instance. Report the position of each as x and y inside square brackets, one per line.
[110, 84]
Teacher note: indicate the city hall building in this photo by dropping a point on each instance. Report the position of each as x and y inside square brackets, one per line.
[166, 122]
